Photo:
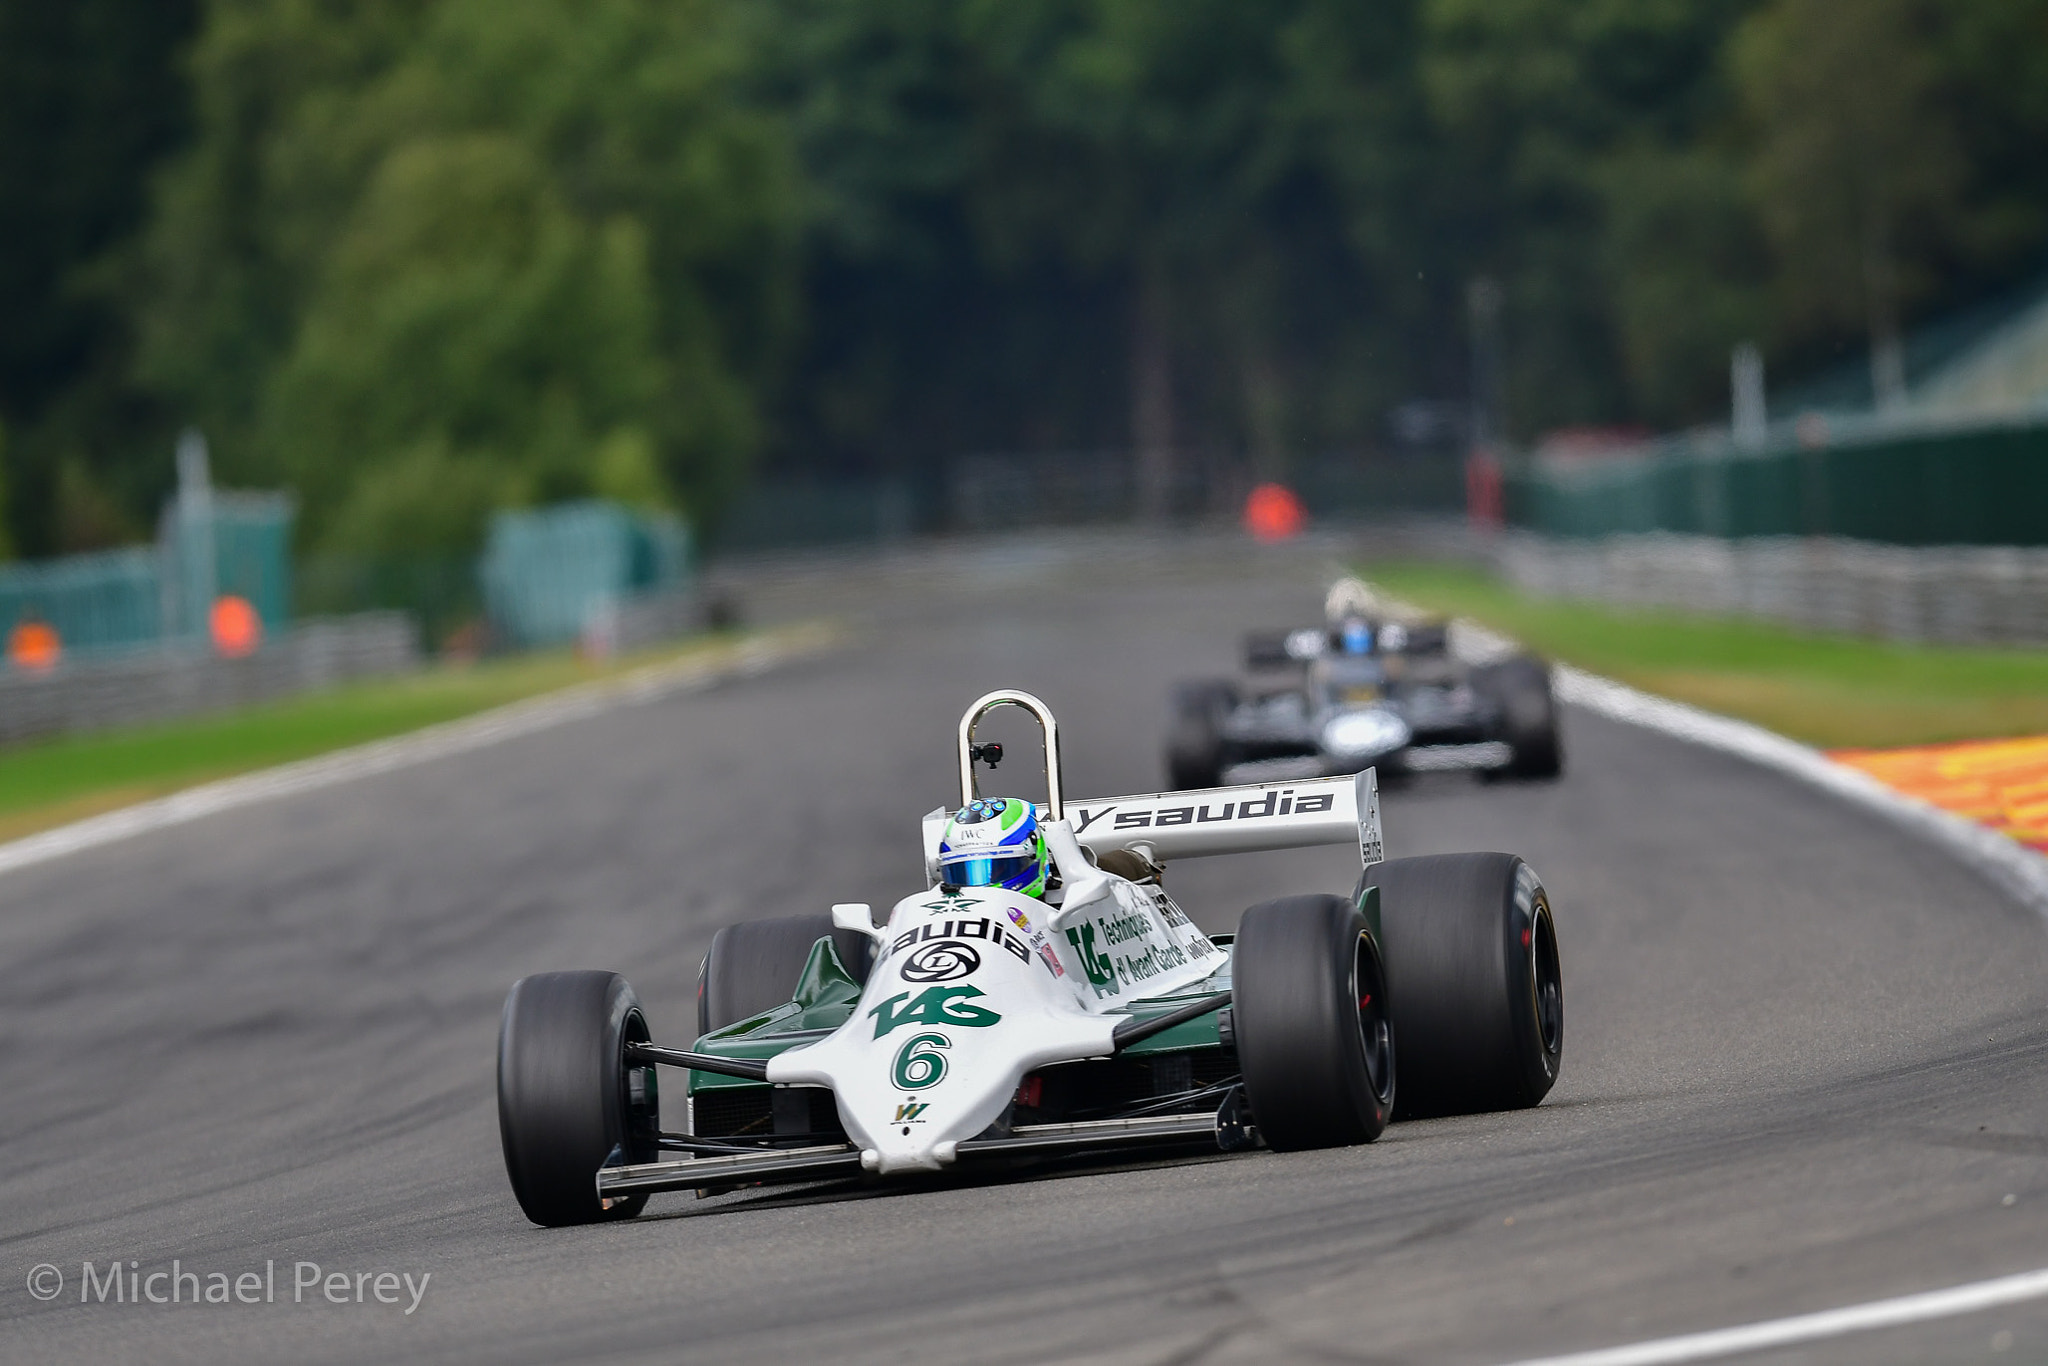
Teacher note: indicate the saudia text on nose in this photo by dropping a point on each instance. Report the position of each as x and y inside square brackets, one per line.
[130, 1282]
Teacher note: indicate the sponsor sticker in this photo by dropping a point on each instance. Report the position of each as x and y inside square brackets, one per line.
[920, 1063]
[1274, 802]
[933, 1006]
[942, 960]
[983, 928]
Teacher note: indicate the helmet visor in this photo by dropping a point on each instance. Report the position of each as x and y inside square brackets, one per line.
[987, 872]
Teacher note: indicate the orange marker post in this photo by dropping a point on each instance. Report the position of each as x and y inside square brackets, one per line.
[1273, 513]
[236, 628]
[34, 646]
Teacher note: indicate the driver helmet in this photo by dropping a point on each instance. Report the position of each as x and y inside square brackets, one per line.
[1356, 636]
[994, 842]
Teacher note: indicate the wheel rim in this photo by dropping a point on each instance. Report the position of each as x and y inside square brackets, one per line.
[639, 1095]
[1375, 1034]
[1546, 980]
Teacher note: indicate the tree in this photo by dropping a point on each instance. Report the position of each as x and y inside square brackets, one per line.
[547, 242]
[90, 100]
[1857, 166]
[1588, 155]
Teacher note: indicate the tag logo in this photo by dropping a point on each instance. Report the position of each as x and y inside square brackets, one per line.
[1097, 965]
[934, 1006]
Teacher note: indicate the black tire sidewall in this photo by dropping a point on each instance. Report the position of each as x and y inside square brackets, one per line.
[1296, 1023]
[1460, 979]
[562, 1093]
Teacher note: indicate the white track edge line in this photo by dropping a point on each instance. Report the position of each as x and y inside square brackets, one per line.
[1855, 1318]
[414, 747]
[2016, 868]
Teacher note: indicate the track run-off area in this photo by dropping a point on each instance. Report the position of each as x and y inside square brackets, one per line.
[1804, 1046]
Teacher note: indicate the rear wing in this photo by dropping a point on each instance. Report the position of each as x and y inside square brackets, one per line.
[1219, 820]
[1237, 820]
[1170, 825]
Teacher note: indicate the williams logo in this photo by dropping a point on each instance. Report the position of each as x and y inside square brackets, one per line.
[933, 1006]
[909, 1110]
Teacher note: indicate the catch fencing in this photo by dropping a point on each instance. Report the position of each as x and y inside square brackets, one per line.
[1961, 595]
[999, 493]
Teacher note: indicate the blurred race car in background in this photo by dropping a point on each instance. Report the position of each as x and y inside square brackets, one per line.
[1373, 687]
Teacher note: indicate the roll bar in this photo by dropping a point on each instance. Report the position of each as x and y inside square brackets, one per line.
[1008, 697]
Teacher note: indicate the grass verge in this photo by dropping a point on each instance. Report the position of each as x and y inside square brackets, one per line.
[1831, 691]
[66, 778]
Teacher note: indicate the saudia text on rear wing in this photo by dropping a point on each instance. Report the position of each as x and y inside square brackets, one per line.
[1223, 820]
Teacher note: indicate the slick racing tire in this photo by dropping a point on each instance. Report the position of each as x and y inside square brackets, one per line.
[1528, 709]
[567, 1102]
[1309, 1011]
[1474, 982]
[755, 965]
[1194, 745]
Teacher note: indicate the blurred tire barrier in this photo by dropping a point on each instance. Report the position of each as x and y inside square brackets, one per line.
[1961, 595]
[159, 684]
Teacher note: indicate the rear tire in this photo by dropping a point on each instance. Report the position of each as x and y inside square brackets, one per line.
[1528, 709]
[567, 1101]
[1474, 981]
[1194, 745]
[1309, 1010]
[754, 966]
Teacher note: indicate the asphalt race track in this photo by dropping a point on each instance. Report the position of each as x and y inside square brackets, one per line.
[1803, 1066]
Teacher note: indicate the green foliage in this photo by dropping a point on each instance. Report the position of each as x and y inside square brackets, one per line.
[527, 249]
[511, 240]
[90, 99]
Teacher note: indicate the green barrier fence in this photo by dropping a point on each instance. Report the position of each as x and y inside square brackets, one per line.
[140, 596]
[1979, 484]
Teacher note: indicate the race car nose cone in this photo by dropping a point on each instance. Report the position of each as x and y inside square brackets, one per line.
[1365, 734]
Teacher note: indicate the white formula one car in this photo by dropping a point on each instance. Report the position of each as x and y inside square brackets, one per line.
[1044, 996]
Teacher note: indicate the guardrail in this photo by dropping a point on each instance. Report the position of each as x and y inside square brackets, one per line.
[162, 683]
[1965, 595]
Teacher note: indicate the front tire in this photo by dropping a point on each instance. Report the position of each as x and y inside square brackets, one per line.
[567, 1102]
[1310, 1013]
[1474, 979]
[755, 965]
